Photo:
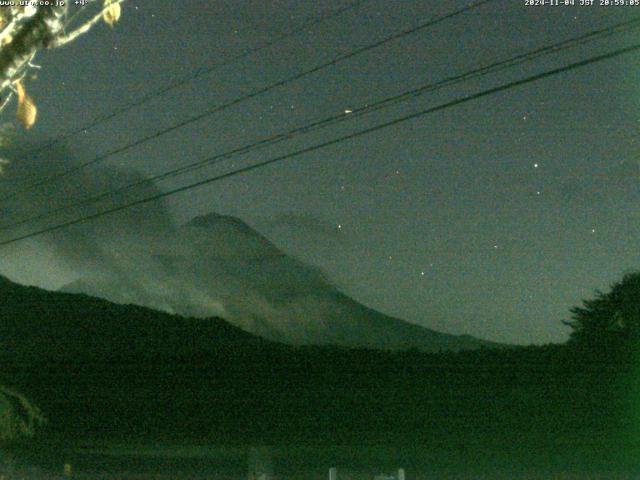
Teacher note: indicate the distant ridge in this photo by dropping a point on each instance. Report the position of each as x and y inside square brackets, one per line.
[220, 266]
[37, 324]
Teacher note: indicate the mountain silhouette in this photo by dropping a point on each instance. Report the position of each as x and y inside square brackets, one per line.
[217, 265]
[36, 324]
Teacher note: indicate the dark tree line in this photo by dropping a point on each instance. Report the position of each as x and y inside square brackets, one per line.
[610, 320]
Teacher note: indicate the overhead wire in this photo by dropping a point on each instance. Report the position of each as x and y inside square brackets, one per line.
[311, 22]
[243, 98]
[368, 108]
[312, 148]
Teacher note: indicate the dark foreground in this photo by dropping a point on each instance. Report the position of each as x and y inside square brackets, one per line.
[534, 412]
[106, 375]
[489, 462]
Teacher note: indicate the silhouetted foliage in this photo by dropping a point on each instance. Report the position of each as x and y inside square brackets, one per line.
[105, 371]
[27, 28]
[18, 417]
[610, 319]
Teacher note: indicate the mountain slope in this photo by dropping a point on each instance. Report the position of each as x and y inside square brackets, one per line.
[106, 374]
[43, 325]
[218, 265]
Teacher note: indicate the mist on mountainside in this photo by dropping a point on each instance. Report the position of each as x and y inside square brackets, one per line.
[213, 265]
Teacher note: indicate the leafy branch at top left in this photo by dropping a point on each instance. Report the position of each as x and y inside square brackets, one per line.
[27, 30]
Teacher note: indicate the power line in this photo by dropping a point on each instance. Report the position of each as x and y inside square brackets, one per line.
[199, 73]
[397, 121]
[357, 112]
[253, 94]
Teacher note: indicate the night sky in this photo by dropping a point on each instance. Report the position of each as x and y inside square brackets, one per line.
[491, 218]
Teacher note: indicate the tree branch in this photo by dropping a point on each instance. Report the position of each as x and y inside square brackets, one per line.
[63, 40]
[34, 34]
